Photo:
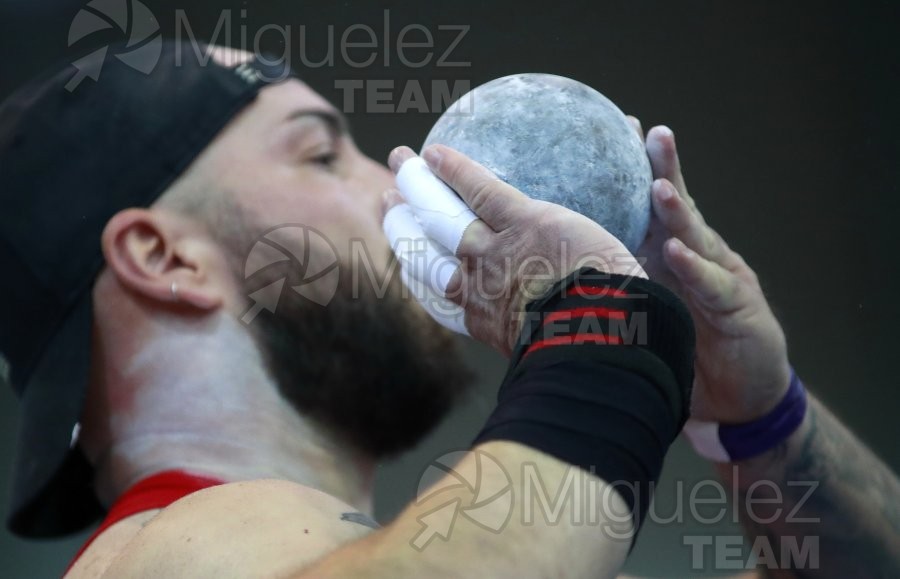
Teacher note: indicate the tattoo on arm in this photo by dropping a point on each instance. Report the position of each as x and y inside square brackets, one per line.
[360, 519]
[840, 502]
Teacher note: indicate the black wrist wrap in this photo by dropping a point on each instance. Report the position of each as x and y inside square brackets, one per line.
[600, 378]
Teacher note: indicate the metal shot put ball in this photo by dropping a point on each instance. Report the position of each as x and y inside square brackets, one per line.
[557, 140]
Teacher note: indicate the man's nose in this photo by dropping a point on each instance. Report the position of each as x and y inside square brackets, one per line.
[382, 175]
[374, 178]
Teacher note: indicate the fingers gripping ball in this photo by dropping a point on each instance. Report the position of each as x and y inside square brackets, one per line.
[557, 140]
[550, 137]
[443, 215]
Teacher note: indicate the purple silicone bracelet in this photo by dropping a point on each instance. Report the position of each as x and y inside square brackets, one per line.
[742, 441]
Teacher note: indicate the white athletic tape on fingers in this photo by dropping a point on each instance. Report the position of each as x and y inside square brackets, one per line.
[442, 310]
[443, 215]
[415, 252]
[421, 257]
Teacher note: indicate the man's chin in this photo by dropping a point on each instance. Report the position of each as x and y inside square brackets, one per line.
[371, 367]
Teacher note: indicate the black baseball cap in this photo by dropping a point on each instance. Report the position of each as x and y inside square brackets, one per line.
[78, 145]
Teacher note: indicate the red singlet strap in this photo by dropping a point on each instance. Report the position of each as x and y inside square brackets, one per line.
[154, 492]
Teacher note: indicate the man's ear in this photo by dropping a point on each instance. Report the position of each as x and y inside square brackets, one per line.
[159, 257]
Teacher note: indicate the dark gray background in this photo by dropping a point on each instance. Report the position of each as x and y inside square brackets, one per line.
[785, 115]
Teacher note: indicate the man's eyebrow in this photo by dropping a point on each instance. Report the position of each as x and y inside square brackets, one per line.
[336, 121]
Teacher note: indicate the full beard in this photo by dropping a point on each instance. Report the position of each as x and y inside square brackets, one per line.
[370, 367]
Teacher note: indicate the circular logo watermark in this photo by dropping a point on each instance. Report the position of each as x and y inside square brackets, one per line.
[488, 484]
[138, 26]
[307, 262]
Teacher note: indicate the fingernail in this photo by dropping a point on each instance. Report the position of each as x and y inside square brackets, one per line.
[399, 156]
[389, 198]
[432, 156]
[636, 122]
[666, 131]
[663, 191]
[678, 246]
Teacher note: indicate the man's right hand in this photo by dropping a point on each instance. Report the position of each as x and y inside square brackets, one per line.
[516, 250]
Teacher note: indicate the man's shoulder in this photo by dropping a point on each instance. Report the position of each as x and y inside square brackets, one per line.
[252, 528]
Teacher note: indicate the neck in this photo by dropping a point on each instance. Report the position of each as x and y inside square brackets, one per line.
[177, 404]
[319, 466]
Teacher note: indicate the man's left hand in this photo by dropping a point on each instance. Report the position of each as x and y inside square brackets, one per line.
[741, 370]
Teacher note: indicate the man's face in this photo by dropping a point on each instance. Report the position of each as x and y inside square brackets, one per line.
[367, 362]
[289, 160]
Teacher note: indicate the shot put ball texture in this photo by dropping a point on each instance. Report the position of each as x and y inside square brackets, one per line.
[557, 140]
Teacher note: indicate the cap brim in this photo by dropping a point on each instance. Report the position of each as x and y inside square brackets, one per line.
[51, 486]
